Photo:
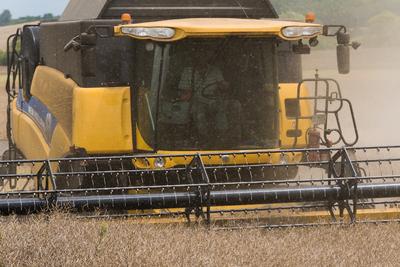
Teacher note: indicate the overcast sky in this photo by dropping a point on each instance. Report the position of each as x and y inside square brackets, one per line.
[20, 8]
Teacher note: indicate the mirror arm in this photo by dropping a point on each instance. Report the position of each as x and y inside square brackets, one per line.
[340, 28]
[88, 38]
[341, 34]
[74, 43]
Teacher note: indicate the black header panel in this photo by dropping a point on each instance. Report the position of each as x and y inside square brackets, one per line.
[152, 10]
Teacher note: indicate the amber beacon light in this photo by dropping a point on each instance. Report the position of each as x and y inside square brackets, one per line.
[310, 17]
[126, 18]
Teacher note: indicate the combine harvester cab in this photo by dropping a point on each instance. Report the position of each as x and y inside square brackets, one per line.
[198, 110]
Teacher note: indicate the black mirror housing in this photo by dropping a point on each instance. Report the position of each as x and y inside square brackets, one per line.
[343, 58]
[343, 38]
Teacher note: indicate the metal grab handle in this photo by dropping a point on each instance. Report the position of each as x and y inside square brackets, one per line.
[328, 99]
[340, 131]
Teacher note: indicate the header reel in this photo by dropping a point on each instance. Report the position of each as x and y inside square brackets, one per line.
[236, 186]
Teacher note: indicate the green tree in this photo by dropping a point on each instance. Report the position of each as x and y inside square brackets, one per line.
[5, 17]
[48, 16]
[353, 13]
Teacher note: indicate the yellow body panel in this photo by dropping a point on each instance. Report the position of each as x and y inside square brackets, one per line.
[229, 158]
[290, 91]
[96, 119]
[60, 144]
[141, 143]
[102, 120]
[28, 136]
[209, 27]
[55, 91]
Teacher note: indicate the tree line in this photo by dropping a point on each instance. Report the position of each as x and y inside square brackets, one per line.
[354, 13]
[375, 23]
[7, 19]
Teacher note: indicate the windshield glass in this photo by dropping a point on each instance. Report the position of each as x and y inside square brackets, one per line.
[218, 94]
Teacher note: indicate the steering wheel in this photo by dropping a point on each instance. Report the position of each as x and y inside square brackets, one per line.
[209, 96]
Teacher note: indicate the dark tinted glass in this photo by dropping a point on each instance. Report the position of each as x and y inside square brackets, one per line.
[218, 93]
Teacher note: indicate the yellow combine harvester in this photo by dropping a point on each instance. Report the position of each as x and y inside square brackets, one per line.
[177, 108]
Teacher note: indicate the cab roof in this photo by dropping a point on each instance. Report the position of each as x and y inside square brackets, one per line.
[220, 26]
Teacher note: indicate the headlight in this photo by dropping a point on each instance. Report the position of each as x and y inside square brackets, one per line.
[161, 33]
[159, 163]
[296, 32]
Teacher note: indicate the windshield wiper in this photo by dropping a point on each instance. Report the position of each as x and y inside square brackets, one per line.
[153, 125]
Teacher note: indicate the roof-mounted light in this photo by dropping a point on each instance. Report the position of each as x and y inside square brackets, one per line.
[310, 17]
[298, 32]
[159, 33]
[126, 18]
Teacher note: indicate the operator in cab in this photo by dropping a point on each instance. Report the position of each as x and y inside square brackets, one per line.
[203, 85]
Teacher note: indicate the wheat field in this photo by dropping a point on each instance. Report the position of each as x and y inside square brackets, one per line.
[62, 240]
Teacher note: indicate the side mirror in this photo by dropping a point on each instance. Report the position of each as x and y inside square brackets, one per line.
[343, 58]
[343, 45]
